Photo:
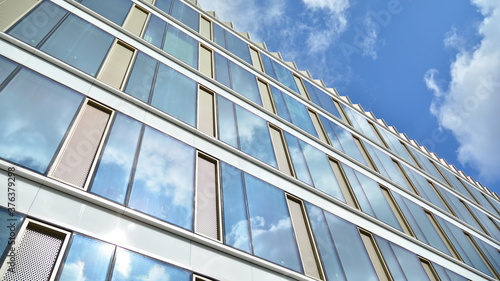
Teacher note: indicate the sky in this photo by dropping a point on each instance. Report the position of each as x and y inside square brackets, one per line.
[429, 68]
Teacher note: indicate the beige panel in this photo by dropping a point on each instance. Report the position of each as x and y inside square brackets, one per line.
[411, 154]
[206, 28]
[265, 94]
[303, 235]
[207, 221]
[256, 59]
[374, 128]
[397, 212]
[77, 157]
[441, 233]
[136, 20]
[116, 65]
[362, 149]
[301, 87]
[341, 111]
[206, 62]
[206, 115]
[280, 151]
[318, 127]
[344, 186]
[375, 257]
[450, 210]
[12, 10]
[405, 176]
[429, 270]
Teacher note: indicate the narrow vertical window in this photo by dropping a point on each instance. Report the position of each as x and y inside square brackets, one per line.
[117, 64]
[307, 248]
[474, 217]
[207, 198]
[375, 256]
[206, 65]
[446, 204]
[395, 209]
[254, 54]
[206, 112]
[300, 85]
[317, 125]
[13, 10]
[136, 20]
[38, 249]
[265, 95]
[431, 272]
[344, 186]
[76, 159]
[362, 149]
[282, 157]
[441, 233]
[341, 111]
[381, 139]
[206, 28]
[405, 177]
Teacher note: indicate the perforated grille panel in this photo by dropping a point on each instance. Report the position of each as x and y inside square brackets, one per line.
[35, 256]
[206, 199]
[76, 160]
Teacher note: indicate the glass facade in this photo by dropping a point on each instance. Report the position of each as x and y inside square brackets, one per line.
[146, 178]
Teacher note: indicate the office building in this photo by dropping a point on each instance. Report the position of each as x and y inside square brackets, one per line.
[147, 140]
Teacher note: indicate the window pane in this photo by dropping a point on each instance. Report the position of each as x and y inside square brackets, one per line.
[322, 99]
[8, 218]
[227, 122]
[113, 172]
[79, 44]
[244, 83]
[272, 233]
[37, 24]
[155, 32]
[141, 77]
[164, 5]
[222, 70]
[254, 136]
[186, 15]
[396, 146]
[164, 179]
[285, 76]
[268, 65]
[35, 113]
[133, 266]
[87, 259]
[181, 46]
[219, 35]
[238, 47]
[360, 123]
[114, 10]
[6, 68]
[491, 253]
[175, 94]
[426, 164]
[298, 160]
[447, 275]
[424, 188]
[236, 224]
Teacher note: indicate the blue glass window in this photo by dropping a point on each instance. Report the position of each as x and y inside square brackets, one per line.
[164, 5]
[342, 140]
[424, 188]
[87, 259]
[426, 164]
[447, 275]
[186, 15]
[230, 42]
[38, 23]
[114, 10]
[141, 77]
[337, 239]
[490, 252]
[481, 198]
[155, 31]
[459, 209]
[293, 111]
[132, 266]
[6, 68]
[279, 72]
[7, 217]
[164, 179]
[113, 172]
[175, 94]
[395, 145]
[322, 99]
[35, 113]
[360, 123]
[312, 167]
[181, 46]
[246, 131]
[79, 44]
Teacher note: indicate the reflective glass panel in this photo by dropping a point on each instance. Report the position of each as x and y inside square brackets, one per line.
[480, 198]
[164, 5]
[360, 123]
[38, 23]
[186, 15]
[271, 227]
[181, 46]
[35, 113]
[8, 218]
[141, 77]
[244, 83]
[238, 47]
[447, 275]
[133, 266]
[219, 35]
[486, 222]
[164, 179]
[222, 70]
[227, 122]
[236, 224]
[175, 94]
[155, 32]
[459, 208]
[424, 188]
[114, 10]
[268, 65]
[79, 44]
[396, 146]
[491, 253]
[88, 259]
[6, 68]
[114, 168]
[426, 164]
[322, 99]
[370, 197]
[298, 160]
[285, 76]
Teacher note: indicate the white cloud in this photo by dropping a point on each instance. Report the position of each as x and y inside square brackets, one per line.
[470, 105]
[74, 271]
[156, 273]
[453, 40]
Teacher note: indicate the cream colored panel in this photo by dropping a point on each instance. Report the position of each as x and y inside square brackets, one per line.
[136, 20]
[265, 94]
[256, 59]
[362, 149]
[116, 66]
[206, 28]
[375, 257]
[301, 87]
[429, 270]
[206, 112]
[318, 127]
[344, 186]
[280, 151]
[206, 62]
[12, 10]
[396, 211]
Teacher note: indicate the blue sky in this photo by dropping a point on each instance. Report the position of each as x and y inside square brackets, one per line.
[429, 68]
